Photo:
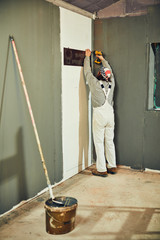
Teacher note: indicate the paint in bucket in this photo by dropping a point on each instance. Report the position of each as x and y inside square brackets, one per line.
[60, 219]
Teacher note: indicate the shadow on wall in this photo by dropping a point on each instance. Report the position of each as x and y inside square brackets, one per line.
[116, 130]
[83, 123]
[13, 168]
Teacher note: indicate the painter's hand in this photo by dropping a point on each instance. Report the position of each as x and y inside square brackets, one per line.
[87, 53]
[100, 57]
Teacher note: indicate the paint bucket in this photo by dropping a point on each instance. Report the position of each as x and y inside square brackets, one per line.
[60, 219]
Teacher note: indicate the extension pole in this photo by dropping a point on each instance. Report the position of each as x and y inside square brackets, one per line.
[32, 117]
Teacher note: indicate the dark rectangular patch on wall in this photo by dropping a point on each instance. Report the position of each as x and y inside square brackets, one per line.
[73, 57]
[156, 50]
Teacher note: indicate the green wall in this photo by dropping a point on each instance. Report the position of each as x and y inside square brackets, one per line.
[124, 42]
[36, 30]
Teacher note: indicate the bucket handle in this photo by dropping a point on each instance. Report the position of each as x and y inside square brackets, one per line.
[54, 218]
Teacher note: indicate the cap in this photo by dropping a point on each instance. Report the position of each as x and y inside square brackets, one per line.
[105, 72]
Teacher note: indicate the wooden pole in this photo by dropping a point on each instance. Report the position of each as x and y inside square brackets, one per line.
[32, 117]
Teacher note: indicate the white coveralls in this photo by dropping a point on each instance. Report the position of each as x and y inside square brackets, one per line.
[103, 134]
[103, 117]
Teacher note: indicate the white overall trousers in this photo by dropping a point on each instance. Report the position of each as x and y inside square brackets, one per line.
[103, 134]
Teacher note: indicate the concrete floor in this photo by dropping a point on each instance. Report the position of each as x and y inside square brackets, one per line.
[122, 206]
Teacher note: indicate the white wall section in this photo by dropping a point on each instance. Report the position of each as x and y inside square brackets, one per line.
[76, 105]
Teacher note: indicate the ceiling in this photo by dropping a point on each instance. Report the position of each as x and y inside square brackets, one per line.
[114, 8]
[91, 5]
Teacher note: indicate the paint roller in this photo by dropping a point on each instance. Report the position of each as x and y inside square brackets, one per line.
[33, 121]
